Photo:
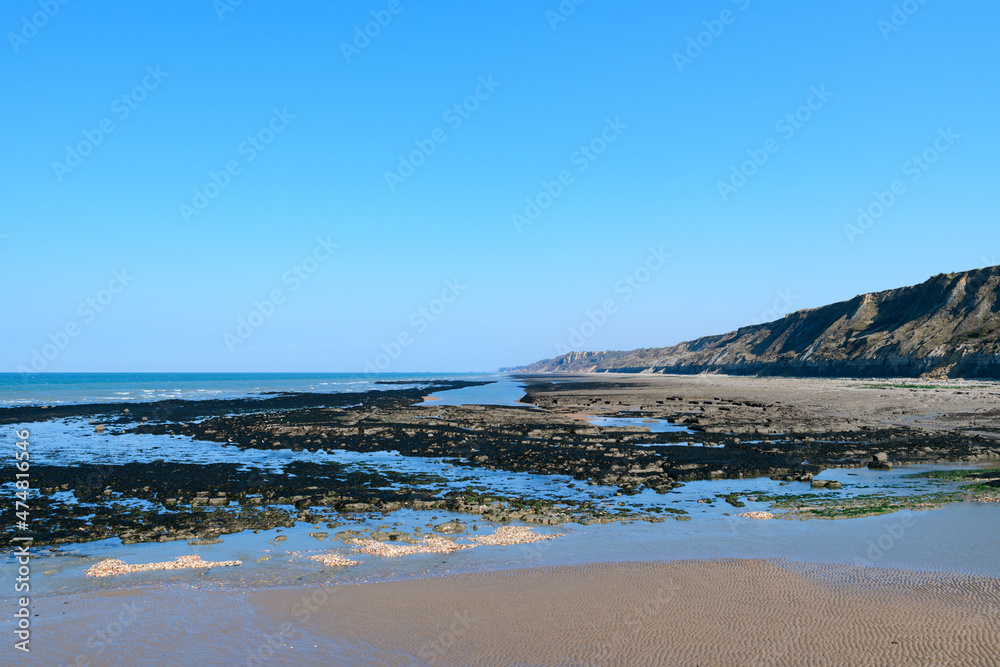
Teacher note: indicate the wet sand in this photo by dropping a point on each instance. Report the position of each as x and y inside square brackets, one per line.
[723, 612]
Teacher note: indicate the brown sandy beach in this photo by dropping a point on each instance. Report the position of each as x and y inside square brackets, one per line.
[724, 403]
[726, 612]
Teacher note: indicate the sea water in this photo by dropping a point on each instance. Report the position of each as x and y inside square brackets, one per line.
[23, 389]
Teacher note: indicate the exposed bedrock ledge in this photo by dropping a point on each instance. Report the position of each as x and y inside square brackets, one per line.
[975, 367]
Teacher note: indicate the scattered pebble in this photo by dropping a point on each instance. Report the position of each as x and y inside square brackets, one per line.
[758, 515]
[332, 560]
[429, 545]
[113, 567]
[507, 535]
[504, 536]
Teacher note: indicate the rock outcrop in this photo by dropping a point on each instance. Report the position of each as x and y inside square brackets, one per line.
[948, 326]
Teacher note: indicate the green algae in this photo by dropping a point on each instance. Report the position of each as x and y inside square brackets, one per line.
[979, 481]
[815, 506]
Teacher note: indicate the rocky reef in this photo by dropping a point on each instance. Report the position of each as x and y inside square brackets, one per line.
[785, 432]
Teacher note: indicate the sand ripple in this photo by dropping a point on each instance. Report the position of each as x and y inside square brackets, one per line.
[722, 612]
[726, 612]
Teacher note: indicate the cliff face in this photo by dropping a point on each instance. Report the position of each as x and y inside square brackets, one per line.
[948, 326]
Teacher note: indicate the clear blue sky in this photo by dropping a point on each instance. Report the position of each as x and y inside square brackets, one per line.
[202, 85]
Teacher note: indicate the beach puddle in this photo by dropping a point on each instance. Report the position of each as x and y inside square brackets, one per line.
[654, 425]
[501, 391]
[285, 556]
